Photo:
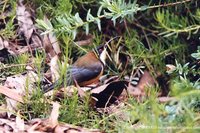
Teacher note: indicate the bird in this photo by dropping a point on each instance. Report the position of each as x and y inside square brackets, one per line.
[86, 70]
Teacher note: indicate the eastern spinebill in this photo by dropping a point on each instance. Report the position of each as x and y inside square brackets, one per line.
[86, 70]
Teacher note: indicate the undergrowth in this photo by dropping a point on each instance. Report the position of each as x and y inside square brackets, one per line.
[154, 37]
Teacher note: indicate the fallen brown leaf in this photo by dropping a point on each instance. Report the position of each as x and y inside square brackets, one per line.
[19, 123]
[145, 81]
[52, 125]
[25, 22]
[83, 39]
[54, 43]
[63, 128]
[48, 47]
[54, 114]
[36, 41]
[50, 42]
[3, 43]
[54, 68]
[46, 125]
[134, 91]
[19, 82]
[3, 112]
[11, 93]
[7, 125]
[112, 78]
[60, 93]
[170, 68]
[166, 99]
[18, 85]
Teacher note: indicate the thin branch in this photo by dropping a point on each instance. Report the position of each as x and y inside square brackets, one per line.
[169, 4]
[13, 65]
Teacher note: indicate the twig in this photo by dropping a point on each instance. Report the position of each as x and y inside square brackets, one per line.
[147, 40]
[144, 28]
[169, 4]
[13, 65]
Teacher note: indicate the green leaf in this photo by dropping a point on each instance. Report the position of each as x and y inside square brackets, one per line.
[196, 55]
[114, 21]
[98, 24]
[74, 33]
[142, 8]
[99, 11]
[78, 19]
[87, 17]
[87, 28]
[170, 34]
[47, 25]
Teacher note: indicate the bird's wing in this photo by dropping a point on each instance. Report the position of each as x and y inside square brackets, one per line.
[81, 74]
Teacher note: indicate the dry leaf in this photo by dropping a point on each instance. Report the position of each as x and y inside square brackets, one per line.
[81, 92]
[54, 68]
[52, 125]
[20, 82]
[11, 106]
[131, 91]
[48, 47]
[67, 128]
[54, 43]
[117, 110]
[68, 91]
[11, 93]
[108, 80]
[3, 112]
[84, 39]
[19, 88]
[170, 68]
[3, 43]
[7, 125]
[19, 123]
[134, 91]
[25, 22]
[145, 81]
[36, 41]
[46, 125]
[54, 114]
[40, 126]
[166, 99]
[50, 42]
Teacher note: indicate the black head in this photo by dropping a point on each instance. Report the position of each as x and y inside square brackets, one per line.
[99, 49]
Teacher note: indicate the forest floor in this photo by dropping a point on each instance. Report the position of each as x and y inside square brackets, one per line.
[151, 79]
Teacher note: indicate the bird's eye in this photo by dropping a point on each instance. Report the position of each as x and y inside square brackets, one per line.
[100, 50]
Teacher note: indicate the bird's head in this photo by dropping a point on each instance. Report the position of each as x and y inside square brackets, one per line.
[101, 52]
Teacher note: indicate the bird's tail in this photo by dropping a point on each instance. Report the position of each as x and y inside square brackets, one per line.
[52, 86]
[63, 80]
[57, 84]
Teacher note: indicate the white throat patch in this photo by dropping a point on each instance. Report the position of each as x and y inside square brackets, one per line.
[103, 56]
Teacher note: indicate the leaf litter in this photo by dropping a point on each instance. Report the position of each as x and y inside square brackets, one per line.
[110, 96]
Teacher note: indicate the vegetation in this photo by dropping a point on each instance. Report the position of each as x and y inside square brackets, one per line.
[156, 35]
